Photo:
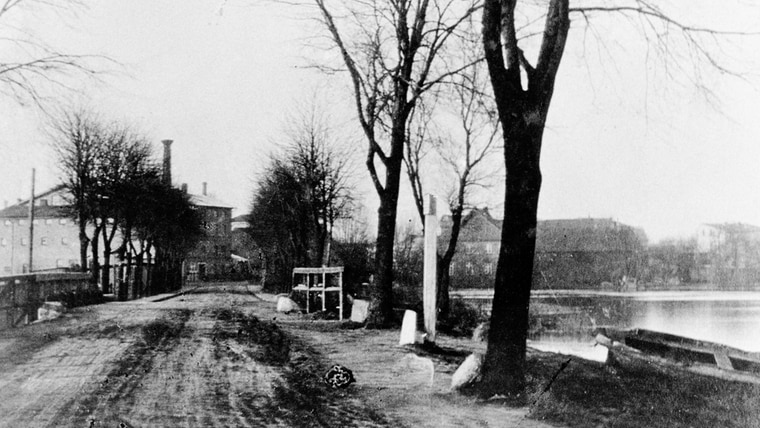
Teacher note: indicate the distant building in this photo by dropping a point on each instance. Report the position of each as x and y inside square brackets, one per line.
[570, 253]
[587, 253]
[212, 256]
[56, 236]
[729, 254]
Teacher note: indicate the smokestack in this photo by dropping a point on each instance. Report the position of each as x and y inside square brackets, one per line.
[184, 187]
[205, 185]
[167, 172]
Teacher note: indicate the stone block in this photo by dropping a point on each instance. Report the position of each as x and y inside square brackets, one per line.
[468, 372]
[287, 305]
[480, 334]
[409, 333]
[359, 310]
[50, 310]
[414, 371]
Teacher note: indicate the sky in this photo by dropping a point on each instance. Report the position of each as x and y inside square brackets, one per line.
[221, 78]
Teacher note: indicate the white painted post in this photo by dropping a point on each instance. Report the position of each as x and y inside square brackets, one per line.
[429, 272]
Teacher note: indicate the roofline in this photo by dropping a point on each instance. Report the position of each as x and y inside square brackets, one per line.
[40, 195]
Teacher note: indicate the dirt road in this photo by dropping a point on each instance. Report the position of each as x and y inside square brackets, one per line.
[217, 357]
[195, 360]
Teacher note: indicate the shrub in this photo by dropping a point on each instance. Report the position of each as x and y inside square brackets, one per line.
[462, 319]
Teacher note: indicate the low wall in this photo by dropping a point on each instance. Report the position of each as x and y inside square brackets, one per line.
[22, 295]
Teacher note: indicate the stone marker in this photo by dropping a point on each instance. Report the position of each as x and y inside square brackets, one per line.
[409, 334]
[414, 371]
[359, 310]
[468, 372]
[50, 310]
[480, 334]
[286, 304]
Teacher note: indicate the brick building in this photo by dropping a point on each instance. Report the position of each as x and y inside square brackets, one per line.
[212, 257]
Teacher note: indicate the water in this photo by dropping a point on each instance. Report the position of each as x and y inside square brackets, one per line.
[730, 318]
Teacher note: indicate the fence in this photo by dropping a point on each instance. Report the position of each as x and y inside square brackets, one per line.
[22, 295]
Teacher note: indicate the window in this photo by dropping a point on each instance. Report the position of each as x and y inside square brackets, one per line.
[43, 240]
[64, 241]
[3, 242]
[489, 248]
[60, 263]
[7, 222]
[470, 269]
[7, 269]
[36, 221]
[21, 222]
[48, 221]
[63, 221]
[23, 241]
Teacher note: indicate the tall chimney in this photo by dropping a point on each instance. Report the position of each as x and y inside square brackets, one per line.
[205, 185]
[167, 171]
[183, 187]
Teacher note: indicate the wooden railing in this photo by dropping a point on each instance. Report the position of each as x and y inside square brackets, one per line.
[22, 295]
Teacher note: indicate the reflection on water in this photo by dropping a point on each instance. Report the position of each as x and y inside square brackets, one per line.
[723, 317]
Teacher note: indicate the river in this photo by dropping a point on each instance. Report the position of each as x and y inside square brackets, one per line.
[731, 318]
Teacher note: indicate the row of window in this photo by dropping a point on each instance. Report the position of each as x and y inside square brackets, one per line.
[43, 241]
[472, 268]
[23, 221]
[471, 247]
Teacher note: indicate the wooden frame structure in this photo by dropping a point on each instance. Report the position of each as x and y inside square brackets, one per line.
[312, 284]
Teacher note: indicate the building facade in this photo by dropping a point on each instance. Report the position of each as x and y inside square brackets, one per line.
[728, 254]
[55, 240]
[212, 256]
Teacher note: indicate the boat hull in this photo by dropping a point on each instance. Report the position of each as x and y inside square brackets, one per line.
[646, 349]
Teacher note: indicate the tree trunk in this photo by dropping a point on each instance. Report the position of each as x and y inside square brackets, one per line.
[381, 313]
[84, 242]
[504, 366]
[96, 258]
[138, 274]
[444, 262]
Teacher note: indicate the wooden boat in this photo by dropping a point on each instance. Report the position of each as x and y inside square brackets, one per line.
[661, 351]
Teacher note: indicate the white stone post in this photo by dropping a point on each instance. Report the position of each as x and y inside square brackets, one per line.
[429, 272]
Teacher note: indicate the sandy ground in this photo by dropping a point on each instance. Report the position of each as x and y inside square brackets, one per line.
[200, 360]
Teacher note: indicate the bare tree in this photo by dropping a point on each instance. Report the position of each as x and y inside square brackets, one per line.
[391, 50]
[324, 170]
[523, 92]
[300, 196]
[77, 142]
[463, 156]
[30, 66]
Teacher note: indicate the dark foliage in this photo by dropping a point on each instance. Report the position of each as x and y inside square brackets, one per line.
[461, 321]
[73, 299]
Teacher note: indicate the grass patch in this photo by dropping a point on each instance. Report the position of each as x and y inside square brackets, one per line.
[161, 330]
[591, 394]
